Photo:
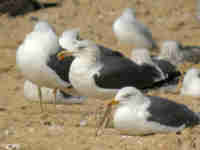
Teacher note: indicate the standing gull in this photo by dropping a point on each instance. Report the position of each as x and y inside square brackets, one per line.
[130, 31]
[191, 83]
[36, 59]
[97, 74]
[137, 114]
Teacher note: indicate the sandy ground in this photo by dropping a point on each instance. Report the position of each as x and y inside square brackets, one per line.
[22, 123]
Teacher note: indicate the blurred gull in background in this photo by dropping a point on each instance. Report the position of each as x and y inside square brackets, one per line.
[130, 31]
[191, 83]
[177, 54]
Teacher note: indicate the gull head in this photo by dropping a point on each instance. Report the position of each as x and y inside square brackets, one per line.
[141, 56]
[69, 38]
[129, 13]
[171, 50]
[43, 26]
[127, 95]
[84, 48]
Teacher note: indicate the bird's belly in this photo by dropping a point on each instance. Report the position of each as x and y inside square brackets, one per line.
[82, 80]
[135, 122]
[83, 83]
[129, 121]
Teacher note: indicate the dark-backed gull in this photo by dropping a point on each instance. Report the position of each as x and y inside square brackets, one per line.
[138, 114]
[167, 70]
[96, 74]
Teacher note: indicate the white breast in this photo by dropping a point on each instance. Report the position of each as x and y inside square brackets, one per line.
[132, 120]
[32, 64]
[81, 77]
[191, 87]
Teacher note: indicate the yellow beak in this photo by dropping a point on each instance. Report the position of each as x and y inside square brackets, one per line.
[64, 54]
[113, 102]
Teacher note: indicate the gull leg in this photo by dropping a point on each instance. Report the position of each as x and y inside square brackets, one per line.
[40, 97]
[54, 93]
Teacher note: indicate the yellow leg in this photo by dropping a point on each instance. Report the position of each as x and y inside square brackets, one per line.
[40, 97]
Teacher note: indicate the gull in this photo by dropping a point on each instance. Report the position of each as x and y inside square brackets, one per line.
[177, 54]
[167, 70]
[137, 114]
[191, 83]
[129, 30]
[37, 61]
[98, 74]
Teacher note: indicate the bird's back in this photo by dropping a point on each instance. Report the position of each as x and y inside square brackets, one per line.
[170, 113]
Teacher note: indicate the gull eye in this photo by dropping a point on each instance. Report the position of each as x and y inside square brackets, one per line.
[127, 95]
[81, 47]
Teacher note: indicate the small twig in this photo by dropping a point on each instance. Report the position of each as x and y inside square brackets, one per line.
[101, 124]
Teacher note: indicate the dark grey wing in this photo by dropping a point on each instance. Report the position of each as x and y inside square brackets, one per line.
[118, 72]
[170, 71]
[169, 113]
[109, 52]
[60, 67]
[191, 53]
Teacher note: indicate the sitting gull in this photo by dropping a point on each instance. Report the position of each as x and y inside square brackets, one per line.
[36, 59]
[191, 83]
[130, 31]
[31, 94]
[168, 71]
[183, 57]
[100, 75]
[138, 114]
[177, 54]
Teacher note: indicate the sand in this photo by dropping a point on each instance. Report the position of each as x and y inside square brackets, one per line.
[22, 123]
